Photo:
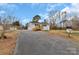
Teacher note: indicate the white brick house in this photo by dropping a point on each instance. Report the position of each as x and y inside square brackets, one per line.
[47, 27]
[32, 25]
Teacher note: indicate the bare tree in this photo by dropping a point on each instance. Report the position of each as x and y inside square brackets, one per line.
[75, 22]
[4, 26]
[6, 22]
[64, 18]
[53, 16]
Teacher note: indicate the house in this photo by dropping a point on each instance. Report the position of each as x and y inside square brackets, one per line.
[1, 27]
[47, 27]
[32, 25]
[13, 28]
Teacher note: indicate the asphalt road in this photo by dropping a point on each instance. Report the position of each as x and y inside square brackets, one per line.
[42, 43]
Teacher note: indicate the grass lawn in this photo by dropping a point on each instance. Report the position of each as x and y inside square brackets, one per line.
[75, 33]
[45, 30]
[7, 45]
[63, 33]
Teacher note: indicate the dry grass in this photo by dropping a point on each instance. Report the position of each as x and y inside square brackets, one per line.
[7, 45]
[63, 33]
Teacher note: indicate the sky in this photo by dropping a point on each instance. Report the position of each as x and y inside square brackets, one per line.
[26, 11]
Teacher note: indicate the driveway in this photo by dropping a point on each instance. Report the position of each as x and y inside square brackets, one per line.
[42, 43]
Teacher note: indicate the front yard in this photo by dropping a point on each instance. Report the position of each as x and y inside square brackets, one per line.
[74, 35]
[7, 46]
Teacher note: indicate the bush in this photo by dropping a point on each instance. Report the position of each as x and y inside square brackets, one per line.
[37, 28]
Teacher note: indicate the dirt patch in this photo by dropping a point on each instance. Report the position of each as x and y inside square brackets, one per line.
[7, 45]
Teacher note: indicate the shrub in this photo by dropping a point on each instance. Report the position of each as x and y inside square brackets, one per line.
[37, 28]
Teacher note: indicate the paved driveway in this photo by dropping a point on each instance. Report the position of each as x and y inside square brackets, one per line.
[42, 43]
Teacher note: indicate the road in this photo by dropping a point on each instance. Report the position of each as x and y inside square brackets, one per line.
[42, 43]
